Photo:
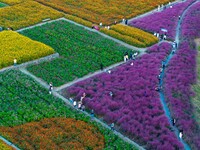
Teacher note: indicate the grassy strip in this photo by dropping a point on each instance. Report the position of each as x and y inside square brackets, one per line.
[196, 99]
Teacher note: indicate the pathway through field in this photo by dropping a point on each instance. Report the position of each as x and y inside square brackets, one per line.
[162, 95]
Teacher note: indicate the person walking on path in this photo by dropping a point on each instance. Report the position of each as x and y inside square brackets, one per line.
[50, 87]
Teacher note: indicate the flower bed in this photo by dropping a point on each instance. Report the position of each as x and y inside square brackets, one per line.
[4, 146]
[26, 14]
[182, 73]
[131, 35]
[166, 19]
[134, 106]
[55, 133]
[12, 2]
[15, 46]
[106, 12]
[81, 51]
[22, 100]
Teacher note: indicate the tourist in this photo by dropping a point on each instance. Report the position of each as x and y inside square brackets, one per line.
[179, 17]
[112, 126]
[173, 121]
[83, 107]
[82, 97]
[92, 113]
[15, 62]
[181, 134]
[50, 87]
[79, 104]
[109, 71]
[126, 22]
[101, 67]
[131, 56]
[111, 93]
[74, 104]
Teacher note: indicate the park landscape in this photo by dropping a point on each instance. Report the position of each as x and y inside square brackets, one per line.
[53, 42]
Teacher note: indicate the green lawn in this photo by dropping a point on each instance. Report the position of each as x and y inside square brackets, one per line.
[22, 100]
[196, 99]
[81, 51]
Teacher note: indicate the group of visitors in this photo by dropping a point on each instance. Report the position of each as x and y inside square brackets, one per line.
[79, 104]
[132, 56]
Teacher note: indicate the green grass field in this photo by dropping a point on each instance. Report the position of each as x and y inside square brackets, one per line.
[196, 99]
[81, 51]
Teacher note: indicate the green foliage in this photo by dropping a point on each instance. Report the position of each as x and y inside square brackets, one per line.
[81, 51]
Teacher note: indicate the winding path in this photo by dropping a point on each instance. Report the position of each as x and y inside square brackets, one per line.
[162, 96]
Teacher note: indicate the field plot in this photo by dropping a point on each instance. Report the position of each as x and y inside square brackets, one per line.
[26, 14]
[55, 133]
[128, 98]
[81, 51]
[104, 11]
[166, 19]
[23, 101]
[16, 46]
[131, 35]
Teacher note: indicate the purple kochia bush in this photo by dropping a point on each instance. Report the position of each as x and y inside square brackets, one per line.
[167, 19]
[191, 23]
[135, 106]
[180, 75]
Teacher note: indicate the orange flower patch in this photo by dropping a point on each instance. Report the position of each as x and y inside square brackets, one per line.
[55, 133]
[105, 11]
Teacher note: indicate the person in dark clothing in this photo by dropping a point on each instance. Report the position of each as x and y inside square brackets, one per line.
[126, 22]
[101, 66]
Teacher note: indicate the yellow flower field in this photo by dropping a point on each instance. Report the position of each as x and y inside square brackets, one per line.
[4, 146]
[131, 35]
[26, 14]
[15, 46]
[12, 2]
[105, 11]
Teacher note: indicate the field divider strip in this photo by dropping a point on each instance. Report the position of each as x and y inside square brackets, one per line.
[9, 143]
[36, 61]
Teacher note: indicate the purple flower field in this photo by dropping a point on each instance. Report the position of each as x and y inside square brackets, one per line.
[181, 75]
[191, 23]
[166, 19]
[135, 106]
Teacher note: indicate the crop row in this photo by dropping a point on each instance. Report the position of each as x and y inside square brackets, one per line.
[15, 46]
[131, 35]
[166, 19]
[12, 2]
[106, 12]
[22, 100]
[26, 14]
[55, 133]
[127, 97]
[181, 75]
[81, 51]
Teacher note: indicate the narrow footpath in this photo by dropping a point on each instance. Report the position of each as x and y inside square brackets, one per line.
[162, 95]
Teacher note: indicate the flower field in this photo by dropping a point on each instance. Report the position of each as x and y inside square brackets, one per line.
[131, 35]
[134, 106]
[55, 133]
[4, 146]
[182, 73]
[26, 14]
[24, 101]
[81, 51]
[103, 11]
[12, 2]
[166, 19]
[15, 46]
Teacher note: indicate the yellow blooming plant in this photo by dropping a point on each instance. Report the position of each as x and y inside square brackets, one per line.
[16, 46]
[12, 2]
[26, 14]
[131, 35]
[4, 146]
